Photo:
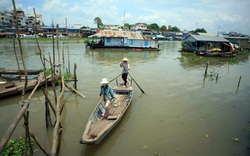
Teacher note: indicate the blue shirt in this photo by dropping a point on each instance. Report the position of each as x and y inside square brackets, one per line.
[107, 91]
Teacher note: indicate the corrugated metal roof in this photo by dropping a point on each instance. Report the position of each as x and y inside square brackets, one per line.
[128, 34]
[193, 38]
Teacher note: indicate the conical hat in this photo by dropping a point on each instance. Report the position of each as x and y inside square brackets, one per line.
[125, 59]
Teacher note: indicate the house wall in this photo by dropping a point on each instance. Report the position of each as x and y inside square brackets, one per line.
[114, 41]
[244, 43]
[141, 43]
[117, 41]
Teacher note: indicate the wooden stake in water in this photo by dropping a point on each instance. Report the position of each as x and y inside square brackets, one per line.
[75, 79]
[238, 85]
[206, 69]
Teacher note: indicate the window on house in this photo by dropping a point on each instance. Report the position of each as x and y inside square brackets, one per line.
[131, 42]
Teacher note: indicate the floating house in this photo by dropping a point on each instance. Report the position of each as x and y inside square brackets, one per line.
[200, 42]
[208, 45]
[121, 39]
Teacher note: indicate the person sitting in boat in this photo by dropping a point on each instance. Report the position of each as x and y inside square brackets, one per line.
[125, 67]
[107, 93]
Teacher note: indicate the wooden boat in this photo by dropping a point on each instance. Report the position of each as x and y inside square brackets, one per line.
[18, 74]
[20, 71]
[97, 126]
[215, 54]
[16, 86]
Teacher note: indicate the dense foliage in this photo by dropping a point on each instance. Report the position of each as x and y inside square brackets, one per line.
[16, 147]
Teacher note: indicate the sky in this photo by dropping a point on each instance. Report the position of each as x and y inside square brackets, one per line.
[212, 15]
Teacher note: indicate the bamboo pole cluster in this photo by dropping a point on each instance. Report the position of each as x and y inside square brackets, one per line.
[56, 108]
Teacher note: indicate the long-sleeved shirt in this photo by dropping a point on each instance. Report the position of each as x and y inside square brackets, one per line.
[125, 67]
[107, 91]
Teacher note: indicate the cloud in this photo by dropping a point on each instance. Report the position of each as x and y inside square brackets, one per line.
[5, 4]
[55, 6]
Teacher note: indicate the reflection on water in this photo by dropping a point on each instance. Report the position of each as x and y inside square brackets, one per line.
[111, 56]
[191, 59]
[182, 113]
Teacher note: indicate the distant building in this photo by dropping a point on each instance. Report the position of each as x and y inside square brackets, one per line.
[112, 27]
[62, 32]
[77, 26]
[21, 20]
[6, 19]
[242, 42]
[139, 26]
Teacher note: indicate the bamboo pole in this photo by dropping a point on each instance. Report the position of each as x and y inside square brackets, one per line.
[57, 47]
[46, 113]
[21, 51]
[18, 65]
[74, 90]
[50, 104]
[67, 44]
[58, 116]
[217, 76]
[238, 85]
[41, 58]
[59, 140]
[38, 83]
[206, 69]
[115, 78]
[75, 79]
[27, 134]
[12, 127]
[38, 143]
[63, 60]
[53, 81]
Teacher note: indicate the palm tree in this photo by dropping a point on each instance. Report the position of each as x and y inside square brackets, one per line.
[98, 21]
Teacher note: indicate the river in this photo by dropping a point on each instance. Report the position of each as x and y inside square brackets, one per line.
[181, 112]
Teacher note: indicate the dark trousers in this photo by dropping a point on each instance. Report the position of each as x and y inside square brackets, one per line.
[124, 77]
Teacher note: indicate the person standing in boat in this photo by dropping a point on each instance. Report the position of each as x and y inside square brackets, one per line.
[107, 94]
[125, 67]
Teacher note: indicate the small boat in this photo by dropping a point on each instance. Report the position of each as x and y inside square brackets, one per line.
[16, 86]
[97, 126]
[216, 54]
[18, 74]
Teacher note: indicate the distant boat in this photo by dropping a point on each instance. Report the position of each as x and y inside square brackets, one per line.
[121, 40]
[211, 53]
[97, 126]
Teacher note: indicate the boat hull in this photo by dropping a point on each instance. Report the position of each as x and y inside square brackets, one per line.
[98, 127]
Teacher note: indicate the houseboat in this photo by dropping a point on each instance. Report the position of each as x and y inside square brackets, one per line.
[121, 39]
[208, 46]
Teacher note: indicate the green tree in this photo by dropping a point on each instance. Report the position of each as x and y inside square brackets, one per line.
[127, 25]
[153, 26]
[173, 28]
[202, 30]
[163, 28]
[85, 27]
[98, 22]
[169, 27]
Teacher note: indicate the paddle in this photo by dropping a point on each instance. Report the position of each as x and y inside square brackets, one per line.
[136, 83]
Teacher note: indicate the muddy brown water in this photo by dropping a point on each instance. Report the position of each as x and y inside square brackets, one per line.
[182, 113]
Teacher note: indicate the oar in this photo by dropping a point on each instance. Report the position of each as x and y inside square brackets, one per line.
[115, 78]
[136, 83]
